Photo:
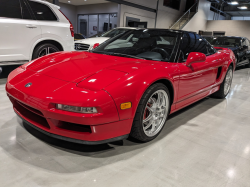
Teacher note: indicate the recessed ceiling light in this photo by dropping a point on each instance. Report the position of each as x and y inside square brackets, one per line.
[69, 1]
[242, 7]
[233, 3]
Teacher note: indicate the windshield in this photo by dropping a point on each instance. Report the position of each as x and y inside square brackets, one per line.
[226, 41]
[111, 33]
[145, 44]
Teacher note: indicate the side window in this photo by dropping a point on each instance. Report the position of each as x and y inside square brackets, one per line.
[25, 11]
[10, 9]
[192, 42]
[42, 12]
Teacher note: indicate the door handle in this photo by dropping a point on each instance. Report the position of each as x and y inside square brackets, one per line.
[31, 26]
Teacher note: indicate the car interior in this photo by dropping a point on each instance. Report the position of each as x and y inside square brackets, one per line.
[145, 45]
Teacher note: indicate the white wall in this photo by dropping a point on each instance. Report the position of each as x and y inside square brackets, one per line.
[146, 3]
[70, 13]
[199, 21]
[216, 15]
[231, 27]
[168, 16]
[143, 15]
[97, 8]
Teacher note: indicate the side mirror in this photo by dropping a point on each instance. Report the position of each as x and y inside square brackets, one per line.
[195, 57]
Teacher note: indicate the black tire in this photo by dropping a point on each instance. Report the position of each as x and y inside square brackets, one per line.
[41, 50]
[137, 131]
[220, 94]
[248, 65]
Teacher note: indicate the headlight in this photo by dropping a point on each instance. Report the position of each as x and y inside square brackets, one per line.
[87, 110]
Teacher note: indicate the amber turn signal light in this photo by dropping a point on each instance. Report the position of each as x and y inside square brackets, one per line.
[125, 106]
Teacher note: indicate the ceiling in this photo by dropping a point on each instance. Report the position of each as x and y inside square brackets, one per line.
[232, 10]
[81, 2]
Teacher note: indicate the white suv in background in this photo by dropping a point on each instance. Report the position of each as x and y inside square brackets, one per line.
[92, 42]
[30, 29]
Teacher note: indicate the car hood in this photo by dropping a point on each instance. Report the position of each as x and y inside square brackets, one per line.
[92, 41]
[77, 66]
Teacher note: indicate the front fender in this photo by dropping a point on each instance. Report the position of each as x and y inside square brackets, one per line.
[132, 87]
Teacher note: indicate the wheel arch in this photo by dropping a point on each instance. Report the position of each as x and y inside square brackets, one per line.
[169, 85]
[50, 41]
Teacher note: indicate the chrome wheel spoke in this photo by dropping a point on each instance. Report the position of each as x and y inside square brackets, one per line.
[228, 81]
[148, 118]
[147, 126]
[155, 113]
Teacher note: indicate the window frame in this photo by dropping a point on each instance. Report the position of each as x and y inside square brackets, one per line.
[57, 19]
[15, 18]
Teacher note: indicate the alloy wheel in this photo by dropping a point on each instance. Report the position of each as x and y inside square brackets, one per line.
[228, 81]
[155, 113]
[46, 51]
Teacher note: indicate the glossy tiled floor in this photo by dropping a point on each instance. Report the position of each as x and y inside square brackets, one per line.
[207, 144]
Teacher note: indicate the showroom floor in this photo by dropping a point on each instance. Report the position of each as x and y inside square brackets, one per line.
[206, 144]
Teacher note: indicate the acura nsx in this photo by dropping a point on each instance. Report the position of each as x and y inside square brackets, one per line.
[127, 86]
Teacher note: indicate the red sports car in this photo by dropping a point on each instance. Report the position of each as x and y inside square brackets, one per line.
[127, 86]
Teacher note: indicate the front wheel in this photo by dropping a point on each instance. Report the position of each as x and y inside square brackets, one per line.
[225, 85]
[151, 113]
[44, 49]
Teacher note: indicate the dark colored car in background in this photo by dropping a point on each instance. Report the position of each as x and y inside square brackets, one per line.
[79, 36]
[239, 45]
[208, 38]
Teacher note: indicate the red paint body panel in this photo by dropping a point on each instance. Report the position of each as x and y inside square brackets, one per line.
[105, 82]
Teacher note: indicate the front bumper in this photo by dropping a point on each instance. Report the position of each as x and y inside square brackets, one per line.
[77, 133]
[64, 138]
[35, 105]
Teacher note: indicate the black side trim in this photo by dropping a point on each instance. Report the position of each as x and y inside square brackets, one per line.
[74, 140]
[219, 72]
[133, 5]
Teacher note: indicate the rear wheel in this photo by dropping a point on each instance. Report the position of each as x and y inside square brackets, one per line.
[44, 49]
[248, 65]
[151, 113]
[225, 85]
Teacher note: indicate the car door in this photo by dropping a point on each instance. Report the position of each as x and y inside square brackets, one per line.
[247, 43]
[18, 31]
[198, 77]
[243, 52]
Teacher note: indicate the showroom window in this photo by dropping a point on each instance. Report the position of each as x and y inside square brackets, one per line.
[95, 24]
[175, 4]
[10, 9]
[42, 12]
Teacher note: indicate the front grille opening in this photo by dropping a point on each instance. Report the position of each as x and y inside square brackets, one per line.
[32, 117]
[81, 47]
[30, 108]
[74, 127]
